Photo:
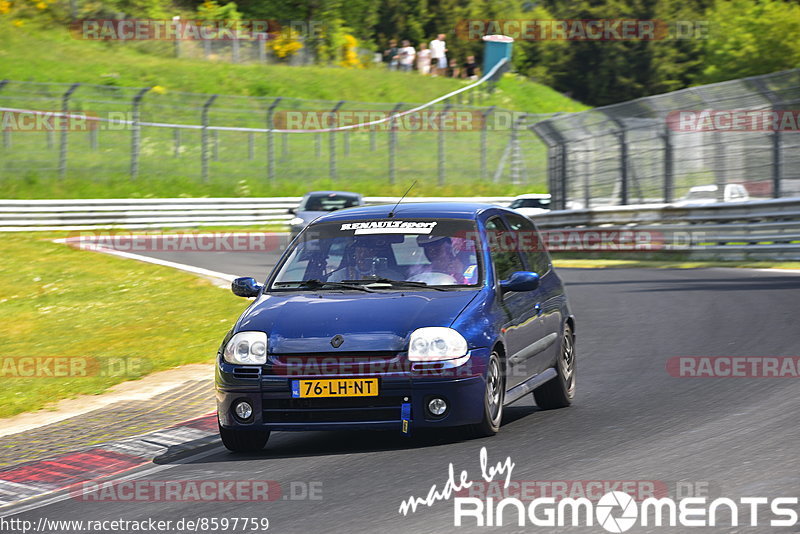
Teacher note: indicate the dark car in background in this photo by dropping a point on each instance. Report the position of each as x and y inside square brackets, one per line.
[316, 203]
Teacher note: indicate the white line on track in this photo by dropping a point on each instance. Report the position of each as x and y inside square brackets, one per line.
[228, 278]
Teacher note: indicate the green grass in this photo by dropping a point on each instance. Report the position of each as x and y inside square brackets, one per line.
[29, 160]
[52, 55]
[59, 302]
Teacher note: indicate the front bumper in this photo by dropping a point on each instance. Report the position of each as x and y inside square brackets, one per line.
[274, 408]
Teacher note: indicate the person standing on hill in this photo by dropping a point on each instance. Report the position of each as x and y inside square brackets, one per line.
[471, 69]
[439, 54]
[424, 59]
[390, 55]
[406, 56]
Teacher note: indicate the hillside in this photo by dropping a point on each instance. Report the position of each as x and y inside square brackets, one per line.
[52, 55]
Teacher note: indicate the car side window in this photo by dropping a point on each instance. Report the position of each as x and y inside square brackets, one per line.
[529, 243]
[506, 259]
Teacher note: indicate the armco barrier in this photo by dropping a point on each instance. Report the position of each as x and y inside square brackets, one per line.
[758, 230]
[765, 229]
[43, 215]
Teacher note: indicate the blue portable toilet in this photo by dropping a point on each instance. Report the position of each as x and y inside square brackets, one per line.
[495, 48]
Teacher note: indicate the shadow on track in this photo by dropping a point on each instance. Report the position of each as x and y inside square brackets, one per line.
[336, 442]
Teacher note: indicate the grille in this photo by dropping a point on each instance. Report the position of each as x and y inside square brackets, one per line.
[325, 410]
[246, 372]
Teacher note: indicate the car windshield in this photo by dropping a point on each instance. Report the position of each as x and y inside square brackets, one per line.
[531, 203]
[401, 253]
[329, 202]
[701, 195]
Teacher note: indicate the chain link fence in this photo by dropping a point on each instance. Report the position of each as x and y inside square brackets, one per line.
[147, 134]
[723, 142]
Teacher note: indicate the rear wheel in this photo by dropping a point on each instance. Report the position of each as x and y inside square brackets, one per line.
[243, 440]
[492, 399]
[559, 392]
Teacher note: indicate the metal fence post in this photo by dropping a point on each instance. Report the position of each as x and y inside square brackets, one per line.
[669, 178]
[440, 163]
[623, 167]
[204, 139]
[235, 48]
[215, 145]
[93, 144]
[62, 152]
[136, 132]
[517, 163]
[332, 140]
[261, 43]
[6, 133]
[271, 139]
[393, 141]
[251, 148]
[484, 134]
[777, 145]
[176, 136]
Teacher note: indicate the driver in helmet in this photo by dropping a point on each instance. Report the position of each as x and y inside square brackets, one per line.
[365, 258]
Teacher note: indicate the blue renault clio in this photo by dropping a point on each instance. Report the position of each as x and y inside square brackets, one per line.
[416, 316]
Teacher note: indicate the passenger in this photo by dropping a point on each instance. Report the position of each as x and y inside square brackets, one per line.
[439, 252]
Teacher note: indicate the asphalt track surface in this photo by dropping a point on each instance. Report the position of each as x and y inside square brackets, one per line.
[631, 420]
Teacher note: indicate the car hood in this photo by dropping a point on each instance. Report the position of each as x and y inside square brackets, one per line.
[304, 322]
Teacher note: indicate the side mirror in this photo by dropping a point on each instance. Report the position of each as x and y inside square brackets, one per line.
[245, 287]
[290, 211]
[520, 281]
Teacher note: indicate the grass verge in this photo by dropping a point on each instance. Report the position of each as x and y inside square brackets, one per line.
[107, 318]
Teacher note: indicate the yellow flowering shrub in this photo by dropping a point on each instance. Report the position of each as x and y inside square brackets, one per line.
[350, 53]
[285, 44]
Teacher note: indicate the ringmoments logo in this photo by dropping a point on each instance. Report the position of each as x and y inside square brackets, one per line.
[615, 511]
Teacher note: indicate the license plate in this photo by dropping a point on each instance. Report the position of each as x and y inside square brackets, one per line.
[341, 387]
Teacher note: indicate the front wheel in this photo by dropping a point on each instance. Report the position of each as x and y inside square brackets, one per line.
[492, 399]
[559, 392]
[243, 440]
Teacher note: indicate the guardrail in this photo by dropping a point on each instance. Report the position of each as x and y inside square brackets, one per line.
[758, 230]
[766, 229]
[135, 213]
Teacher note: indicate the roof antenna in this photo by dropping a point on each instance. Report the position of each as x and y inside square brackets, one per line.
[391, 213]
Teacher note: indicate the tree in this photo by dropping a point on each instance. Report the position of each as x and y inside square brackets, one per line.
[750, 37]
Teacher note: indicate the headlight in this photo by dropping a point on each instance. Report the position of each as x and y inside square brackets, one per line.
[297, 221]
[247, 348]
[436, 343]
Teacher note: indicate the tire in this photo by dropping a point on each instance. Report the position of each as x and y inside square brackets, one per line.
[243, 440]
[559, 392]
[493, 398]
